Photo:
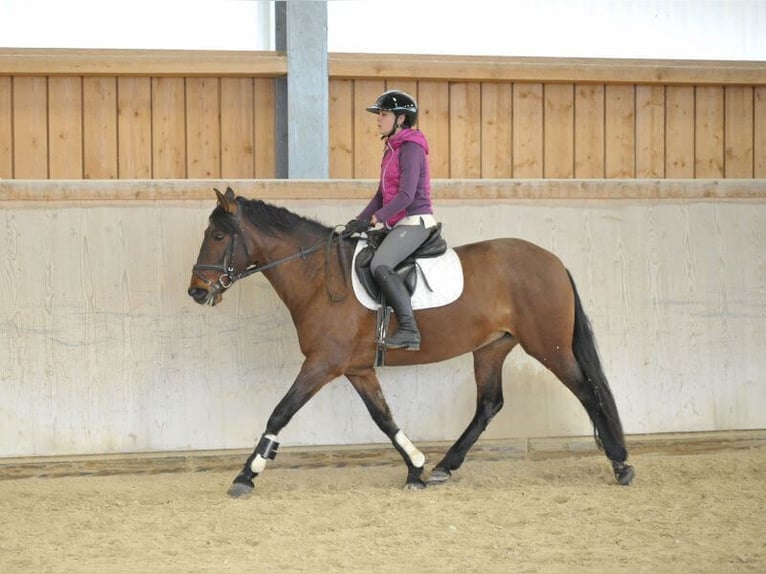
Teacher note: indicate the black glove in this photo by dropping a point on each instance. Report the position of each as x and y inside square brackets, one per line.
[356, 226]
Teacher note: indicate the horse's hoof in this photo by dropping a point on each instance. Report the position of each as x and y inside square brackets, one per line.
[439, 476]
[241, 489]
[624, 474]
[416, 484]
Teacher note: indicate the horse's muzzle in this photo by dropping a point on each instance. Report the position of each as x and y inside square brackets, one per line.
[204, 296]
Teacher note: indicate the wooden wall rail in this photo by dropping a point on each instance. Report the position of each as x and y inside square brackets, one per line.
[193, 63]
[527, 69]
[136, 114]
[104, 191]
[187, 63]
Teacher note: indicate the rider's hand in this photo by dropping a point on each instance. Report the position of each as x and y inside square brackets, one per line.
[357, 226]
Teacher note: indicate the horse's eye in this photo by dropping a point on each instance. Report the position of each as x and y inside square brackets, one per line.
[219, 235]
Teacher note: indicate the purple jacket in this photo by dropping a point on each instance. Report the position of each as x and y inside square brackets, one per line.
[405, 179]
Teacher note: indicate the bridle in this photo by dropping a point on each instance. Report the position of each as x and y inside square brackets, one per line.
[228, 277]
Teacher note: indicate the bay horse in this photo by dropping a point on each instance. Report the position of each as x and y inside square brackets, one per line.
[515, 293]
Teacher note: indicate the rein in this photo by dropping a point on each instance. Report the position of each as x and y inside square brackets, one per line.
[227, 278]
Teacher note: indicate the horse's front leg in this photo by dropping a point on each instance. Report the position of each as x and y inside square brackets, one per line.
[312, 377]
[367, 385]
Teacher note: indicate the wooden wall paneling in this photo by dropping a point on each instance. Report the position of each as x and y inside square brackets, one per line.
[30, 127]
[559, 131]
[496, 130]
[650, 132]
[589, 131]
[528, 130]
[738, 132]
[264, 101]
[65, 127]
[709, 132]
[100, 127]
[465, 133]
[759, 132]
[433, 119]
[620, 131]
[169, 128]
[341, 131]
[237, 128]
[6, 128]
[367, 146]
[679, 132]
[203, 128]
[134, 127]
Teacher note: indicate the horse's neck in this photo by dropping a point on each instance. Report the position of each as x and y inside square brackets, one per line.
[296, 280]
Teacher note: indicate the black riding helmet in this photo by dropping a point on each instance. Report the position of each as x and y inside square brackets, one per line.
[398, 102]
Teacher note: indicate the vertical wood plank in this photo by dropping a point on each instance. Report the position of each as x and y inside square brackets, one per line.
[679, 132]
[465, 140]
[367, 146]
[134, 123]
[738, 132]
[168, 128]
[650, 131]
[264, 101]
[203, 128]
[100, 128]
[65, 127]
[759, 132]
[342, 114]
[589, 131]
[527, 130]
[496, 130]
[620, 132]
[6, 128]
[708, 128]
[559, 131]
[30, 128]
[433, 119]
[237, 128]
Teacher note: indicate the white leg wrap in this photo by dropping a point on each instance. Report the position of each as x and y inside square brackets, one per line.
[417, 458]
[258, 464]
[268, 446]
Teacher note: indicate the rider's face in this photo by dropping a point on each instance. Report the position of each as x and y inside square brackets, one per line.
[386, 122]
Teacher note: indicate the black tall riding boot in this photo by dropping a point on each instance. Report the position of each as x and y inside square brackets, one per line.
[407, 336]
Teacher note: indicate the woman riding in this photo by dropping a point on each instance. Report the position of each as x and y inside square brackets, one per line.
[402, 203]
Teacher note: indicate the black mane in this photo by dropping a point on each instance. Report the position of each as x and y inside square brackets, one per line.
[269, 219]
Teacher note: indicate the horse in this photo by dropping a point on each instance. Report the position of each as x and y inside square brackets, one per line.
[514, 293]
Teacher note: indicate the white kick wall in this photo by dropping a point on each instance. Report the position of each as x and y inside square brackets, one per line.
[104, 352]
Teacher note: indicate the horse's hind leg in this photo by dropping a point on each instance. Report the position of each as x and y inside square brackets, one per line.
[488, 370]
[568, 350]
[592, 390]
[367, 385]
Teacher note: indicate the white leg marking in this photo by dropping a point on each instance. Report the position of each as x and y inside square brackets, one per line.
[417, 458]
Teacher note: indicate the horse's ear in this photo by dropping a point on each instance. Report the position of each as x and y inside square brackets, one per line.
[227, 200]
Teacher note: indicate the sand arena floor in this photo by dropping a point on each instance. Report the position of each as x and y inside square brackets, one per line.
[694, 507]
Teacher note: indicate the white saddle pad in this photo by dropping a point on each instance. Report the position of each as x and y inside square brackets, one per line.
[444, 274]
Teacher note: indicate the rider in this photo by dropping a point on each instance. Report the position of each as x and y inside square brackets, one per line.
[402, 203]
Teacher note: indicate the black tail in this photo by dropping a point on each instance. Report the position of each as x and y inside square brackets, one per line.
[586, 353]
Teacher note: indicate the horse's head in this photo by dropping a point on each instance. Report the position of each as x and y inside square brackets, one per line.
[223, 253]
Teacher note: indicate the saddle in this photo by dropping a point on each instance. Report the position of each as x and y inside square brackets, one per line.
[433, 246]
